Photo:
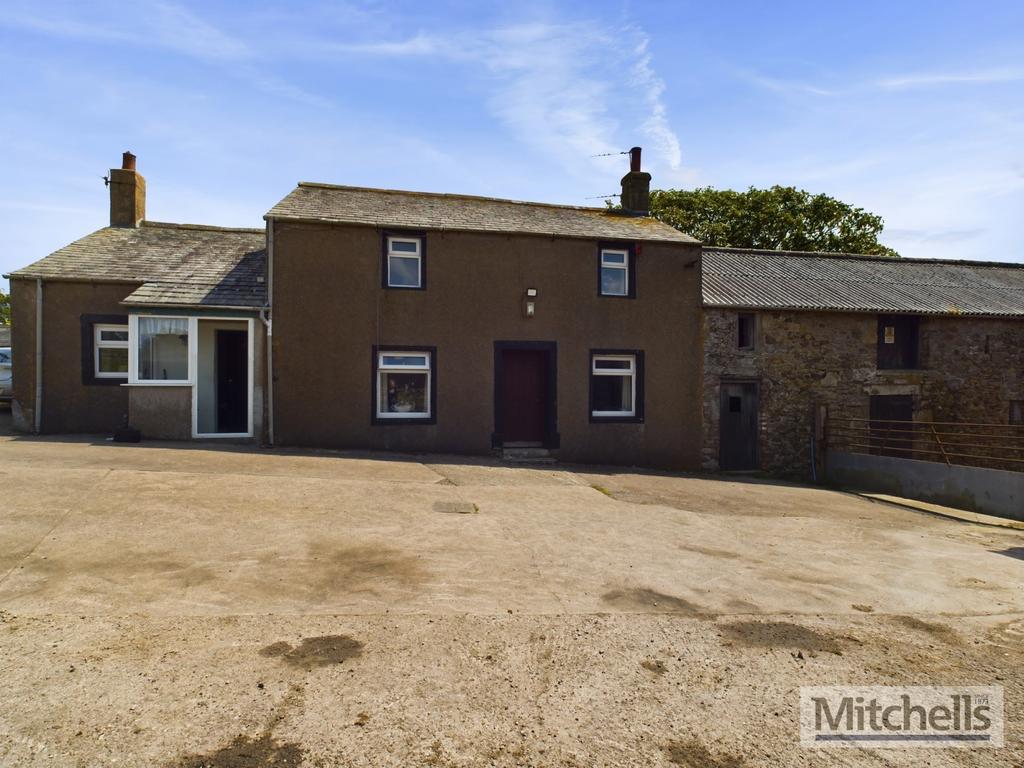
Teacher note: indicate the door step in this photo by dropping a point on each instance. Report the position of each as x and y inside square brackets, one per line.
[526, 455]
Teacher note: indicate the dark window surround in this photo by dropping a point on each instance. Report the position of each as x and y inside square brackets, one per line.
[638, 383]
[376, 350]
[408, 234]
[632, 250]
[551, 437]
[751, 336]
[904, 353]
[1016, 417]
[88, 352]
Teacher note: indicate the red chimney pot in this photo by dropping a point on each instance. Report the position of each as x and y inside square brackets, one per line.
[634, 159]
[128, 161]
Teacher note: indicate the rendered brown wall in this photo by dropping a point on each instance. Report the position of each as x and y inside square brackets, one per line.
[330, 309]
[802, 359]
[68, 404]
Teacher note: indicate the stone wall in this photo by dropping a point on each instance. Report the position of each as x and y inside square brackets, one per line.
[970, 369]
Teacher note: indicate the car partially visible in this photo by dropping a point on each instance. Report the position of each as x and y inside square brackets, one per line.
[6, 375]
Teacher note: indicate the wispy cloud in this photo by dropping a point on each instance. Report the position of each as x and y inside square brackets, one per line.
[931, 79]
[571, 90]
[782, 85]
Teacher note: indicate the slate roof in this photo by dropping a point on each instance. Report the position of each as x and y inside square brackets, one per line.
[177, 264]
[734, 277]
[466, 213]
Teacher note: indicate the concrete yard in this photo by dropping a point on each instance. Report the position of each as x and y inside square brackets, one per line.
[193, 605]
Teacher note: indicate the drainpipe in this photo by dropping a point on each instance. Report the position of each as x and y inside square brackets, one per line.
[37, 416]
[269, 325]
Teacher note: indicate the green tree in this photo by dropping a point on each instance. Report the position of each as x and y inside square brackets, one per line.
[5, 308]
[780, 218]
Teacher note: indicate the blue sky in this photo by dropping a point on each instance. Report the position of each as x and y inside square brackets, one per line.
[913, 110]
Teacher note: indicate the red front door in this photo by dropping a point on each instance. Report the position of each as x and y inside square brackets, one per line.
[524, 395]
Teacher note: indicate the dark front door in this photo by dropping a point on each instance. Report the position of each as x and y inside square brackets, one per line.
[738, 450]
[892, 432]
[232, 363]
[524, 395]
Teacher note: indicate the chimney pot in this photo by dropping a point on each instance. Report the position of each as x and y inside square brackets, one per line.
[634, 160]
[128, 161]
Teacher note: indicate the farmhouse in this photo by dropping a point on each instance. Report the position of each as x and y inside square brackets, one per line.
[397, 320]
[414, 321]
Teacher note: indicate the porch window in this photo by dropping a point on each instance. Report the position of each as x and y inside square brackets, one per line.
[110, 351]
[615, 386]
[404, 387]
[163, 349]
[404, 262]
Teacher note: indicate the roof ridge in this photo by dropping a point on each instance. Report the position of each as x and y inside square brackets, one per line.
[458, 196]
[201, 227]
[863, 257]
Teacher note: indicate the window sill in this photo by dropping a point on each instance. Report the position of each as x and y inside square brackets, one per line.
[384, 421]
[596, 419]
[157, 384]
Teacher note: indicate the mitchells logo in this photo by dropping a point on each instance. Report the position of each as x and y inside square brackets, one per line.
[895, 717]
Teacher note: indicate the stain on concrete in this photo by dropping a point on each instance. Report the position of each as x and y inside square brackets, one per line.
[655, 666]
[642, 598]
[712, 552]
[315, 652]
[456, 507]
[693, 754]
[246, 752]
[940, 631]
[345, 569]
[780, 634]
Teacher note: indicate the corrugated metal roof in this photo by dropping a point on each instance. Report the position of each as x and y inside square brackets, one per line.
[180, 264]
[734, 277]
[466, 213]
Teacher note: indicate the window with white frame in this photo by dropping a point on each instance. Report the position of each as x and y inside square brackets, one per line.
[404, 262]
[110, 351]
[163, 349]
[613, 386]
[403, 385]
[614, 272]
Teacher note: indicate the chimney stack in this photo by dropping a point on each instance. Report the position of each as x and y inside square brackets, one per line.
[127, 194]
[636, 187]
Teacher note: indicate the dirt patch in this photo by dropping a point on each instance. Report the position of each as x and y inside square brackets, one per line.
[863, 607]
[650, 600]
[780, 634]
[693, 754]
[246, 752]
[315, 651]
[655, 666]
[940, 631]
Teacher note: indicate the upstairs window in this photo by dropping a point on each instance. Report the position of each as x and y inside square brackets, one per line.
[898, 341]
[615, 269]
[110, 351]
[404, 386]
[616, 386]
[745, 331]
[403, 262]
